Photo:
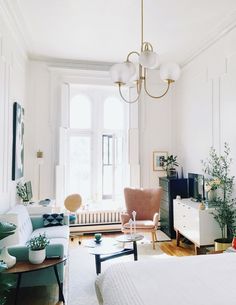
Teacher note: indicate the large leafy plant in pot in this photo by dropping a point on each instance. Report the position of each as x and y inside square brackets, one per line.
[169, 165]
[218, 167]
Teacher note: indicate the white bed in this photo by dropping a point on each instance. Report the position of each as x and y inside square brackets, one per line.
[193, 280]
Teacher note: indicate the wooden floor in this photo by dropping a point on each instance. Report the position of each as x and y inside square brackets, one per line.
[49, 295]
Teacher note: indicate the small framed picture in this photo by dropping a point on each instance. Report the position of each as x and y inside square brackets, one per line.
[158, 158]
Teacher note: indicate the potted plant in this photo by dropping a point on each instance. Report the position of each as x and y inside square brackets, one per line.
[21, 191]
[169, 165]
[37, 248]
[211, 186]
[218, 168]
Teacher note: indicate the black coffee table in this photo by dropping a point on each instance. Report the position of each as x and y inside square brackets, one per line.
[108, 249]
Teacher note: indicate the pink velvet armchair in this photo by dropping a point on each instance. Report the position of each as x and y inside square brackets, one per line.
[146, 203]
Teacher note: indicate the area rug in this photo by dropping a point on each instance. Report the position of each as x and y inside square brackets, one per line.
[82, 275]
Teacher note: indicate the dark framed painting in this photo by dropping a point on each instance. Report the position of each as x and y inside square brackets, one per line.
[18, 142]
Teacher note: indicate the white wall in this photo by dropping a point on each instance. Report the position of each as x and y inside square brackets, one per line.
[204, 105]
[155, 123]
[12, 89]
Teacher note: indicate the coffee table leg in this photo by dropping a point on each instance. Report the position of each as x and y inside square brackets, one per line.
[98, 263]
[61, 296]
[17, 287]
[135, 250]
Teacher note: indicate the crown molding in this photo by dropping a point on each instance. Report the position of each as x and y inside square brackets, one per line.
[14, 25]
[226, 26]
[71, 63]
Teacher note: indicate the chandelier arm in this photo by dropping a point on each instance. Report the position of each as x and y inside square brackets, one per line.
[146, 90]
[125, 100]
[141, 24]
[131, 53]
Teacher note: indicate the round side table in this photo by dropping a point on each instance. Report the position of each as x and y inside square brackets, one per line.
[22, 267]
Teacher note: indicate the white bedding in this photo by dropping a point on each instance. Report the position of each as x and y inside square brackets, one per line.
[193, 280]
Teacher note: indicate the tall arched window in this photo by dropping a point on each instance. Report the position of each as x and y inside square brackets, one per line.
[80, 112]
[97, 148]
[113, 114]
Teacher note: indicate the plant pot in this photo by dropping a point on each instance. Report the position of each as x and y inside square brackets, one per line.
[37, 256]
[172, 173]
[222, 244]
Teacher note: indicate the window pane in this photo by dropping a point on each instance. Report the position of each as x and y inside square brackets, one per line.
[113, 113]
[80, 112]
[80, 167]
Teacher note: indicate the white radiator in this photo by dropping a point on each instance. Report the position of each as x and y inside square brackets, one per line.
[101, 217]
[93, 221]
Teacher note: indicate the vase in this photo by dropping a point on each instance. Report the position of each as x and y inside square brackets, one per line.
[37, 256]
[8, 259]
[234, 243]
[212, 195]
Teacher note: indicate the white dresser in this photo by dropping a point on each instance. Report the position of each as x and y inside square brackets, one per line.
[198, 226]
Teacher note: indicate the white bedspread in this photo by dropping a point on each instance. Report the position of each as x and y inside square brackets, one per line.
[193, 280]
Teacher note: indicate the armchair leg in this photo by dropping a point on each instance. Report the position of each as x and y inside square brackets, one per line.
[153, 240]
[155, 235]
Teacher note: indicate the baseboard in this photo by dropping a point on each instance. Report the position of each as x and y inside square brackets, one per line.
[91, 228]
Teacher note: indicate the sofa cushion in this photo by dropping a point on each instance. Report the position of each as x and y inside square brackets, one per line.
[53, 232]
[50, 220]
[20, 217]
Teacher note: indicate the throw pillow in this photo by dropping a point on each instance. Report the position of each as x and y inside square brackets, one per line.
[50, 220]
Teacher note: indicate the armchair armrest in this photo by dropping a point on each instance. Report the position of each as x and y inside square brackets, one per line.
[156, 219]
[124, 217]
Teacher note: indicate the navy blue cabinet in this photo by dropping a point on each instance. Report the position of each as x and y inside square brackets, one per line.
[171, 188]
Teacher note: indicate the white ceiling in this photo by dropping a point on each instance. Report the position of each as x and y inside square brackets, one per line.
[106, 30]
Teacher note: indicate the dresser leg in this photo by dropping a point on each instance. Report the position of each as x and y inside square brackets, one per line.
[177, 238]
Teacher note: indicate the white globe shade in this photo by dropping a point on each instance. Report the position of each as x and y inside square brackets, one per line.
[170, 71]
[149, 59]
[123, 72]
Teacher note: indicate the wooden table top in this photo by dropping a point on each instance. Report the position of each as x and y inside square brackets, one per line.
[26, 266]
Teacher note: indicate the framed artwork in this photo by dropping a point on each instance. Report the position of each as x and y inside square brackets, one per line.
[158, 157]
[18, 142]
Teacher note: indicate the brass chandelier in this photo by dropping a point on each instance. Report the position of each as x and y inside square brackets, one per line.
[125, 73]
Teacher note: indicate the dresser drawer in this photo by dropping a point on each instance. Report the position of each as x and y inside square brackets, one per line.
[164, 205]
[164, 220]
[165, 195]
[164, 183]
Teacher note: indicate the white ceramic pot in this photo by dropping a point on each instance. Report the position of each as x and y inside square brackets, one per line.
[8, 259]
[37, 256]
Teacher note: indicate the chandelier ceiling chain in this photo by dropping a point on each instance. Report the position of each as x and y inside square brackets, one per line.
[127, 73]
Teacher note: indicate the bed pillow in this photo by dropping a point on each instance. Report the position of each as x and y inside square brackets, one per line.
[50, 220]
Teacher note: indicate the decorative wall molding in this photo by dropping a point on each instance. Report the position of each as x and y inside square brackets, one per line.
[15, 25]
[223, 28]
[71, 64]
